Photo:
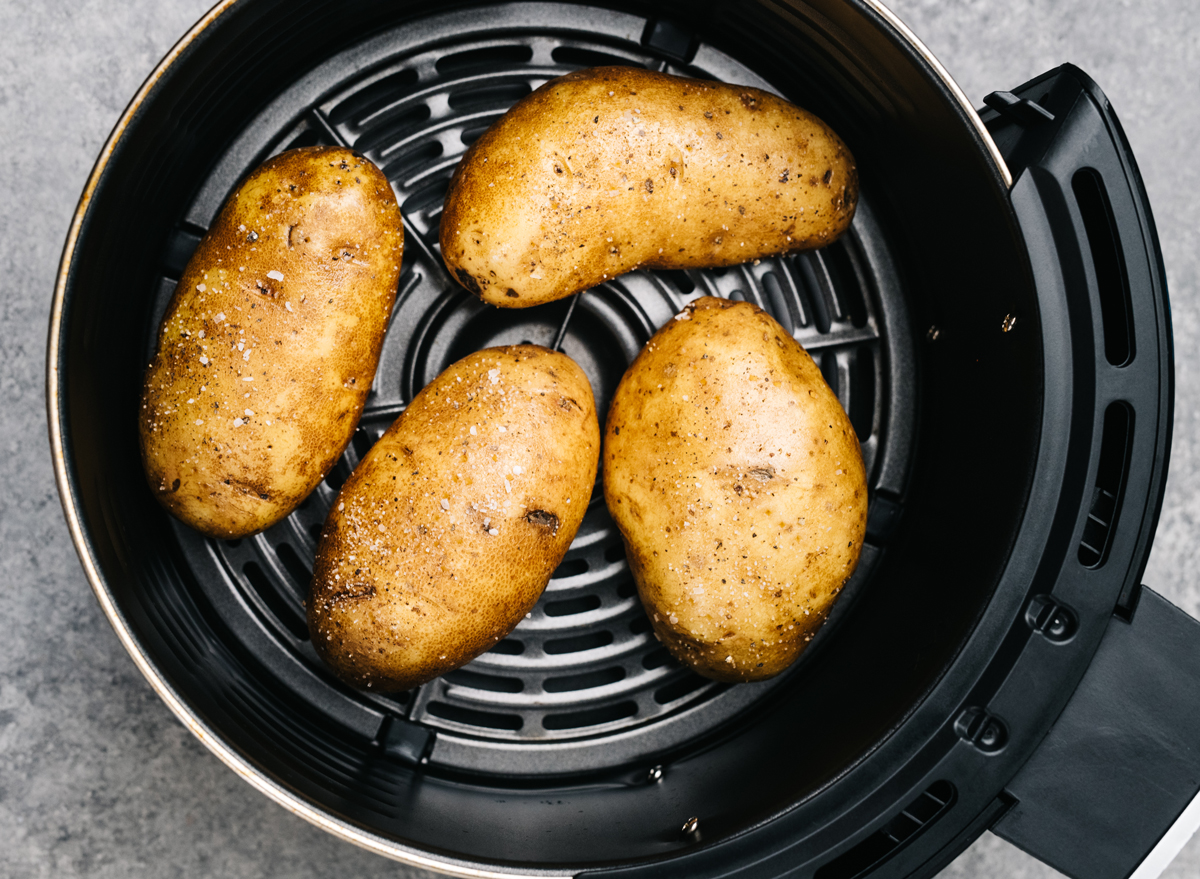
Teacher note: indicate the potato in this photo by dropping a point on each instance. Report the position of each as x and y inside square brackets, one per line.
[738, 486]
[448, 531]
[607, 170]
[270, 342]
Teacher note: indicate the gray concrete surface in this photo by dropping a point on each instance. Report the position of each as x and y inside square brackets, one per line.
[97, 778]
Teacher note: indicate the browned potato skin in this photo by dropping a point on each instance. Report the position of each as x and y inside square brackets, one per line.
[731, 468]
[611, 169]
[437, 546]
[327, 221]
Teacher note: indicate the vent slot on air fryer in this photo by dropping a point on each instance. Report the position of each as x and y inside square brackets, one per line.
[464, 678]
[374, 97]
[1110, 481]
[576, 56]
[483, 61]
[470, 717]
[590, 717]
[883, 843]
[292, 617]
[295, 567]
[395, 130]
[1108, 260]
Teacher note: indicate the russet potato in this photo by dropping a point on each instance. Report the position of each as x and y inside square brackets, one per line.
[448, 531]
[737, 483]
[611, 169]
[270, 342]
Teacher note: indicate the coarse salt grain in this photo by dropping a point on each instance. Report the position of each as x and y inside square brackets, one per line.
[191, 399]
[220, 316]
[199, 421]
[287, 305]
[201, 287]
[237, 422]
[494, 533]
[517, 469]
[494, 375]
[247, 378]
[503, 429]
[249, 413]
[445, 504]
[474, 432]
[203, 360]
[274, 275]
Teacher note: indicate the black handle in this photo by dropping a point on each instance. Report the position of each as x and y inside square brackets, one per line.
[1122, 761]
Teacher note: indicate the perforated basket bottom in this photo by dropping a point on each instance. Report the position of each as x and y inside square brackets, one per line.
[582, 683]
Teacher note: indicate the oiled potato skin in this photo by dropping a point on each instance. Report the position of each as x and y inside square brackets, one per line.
[448, 531]
[610, 169]
[737, 483]
[270, 342]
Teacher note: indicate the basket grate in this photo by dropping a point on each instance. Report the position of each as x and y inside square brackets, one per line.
[584, 665]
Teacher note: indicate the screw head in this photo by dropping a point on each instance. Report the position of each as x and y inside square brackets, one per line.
[655, 774]
[691, 826]
[932, 333]
[990, 735]
[1057, 625]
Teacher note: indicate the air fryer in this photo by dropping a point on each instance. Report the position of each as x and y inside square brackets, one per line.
[995, 323]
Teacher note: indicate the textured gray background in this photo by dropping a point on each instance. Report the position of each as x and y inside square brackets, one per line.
[96, 777]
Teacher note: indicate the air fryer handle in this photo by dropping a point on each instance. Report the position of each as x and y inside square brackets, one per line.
[1112, 788]
[1122, 763]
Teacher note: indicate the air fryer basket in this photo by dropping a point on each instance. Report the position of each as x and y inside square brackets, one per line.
[583, 683]
[577, 744]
